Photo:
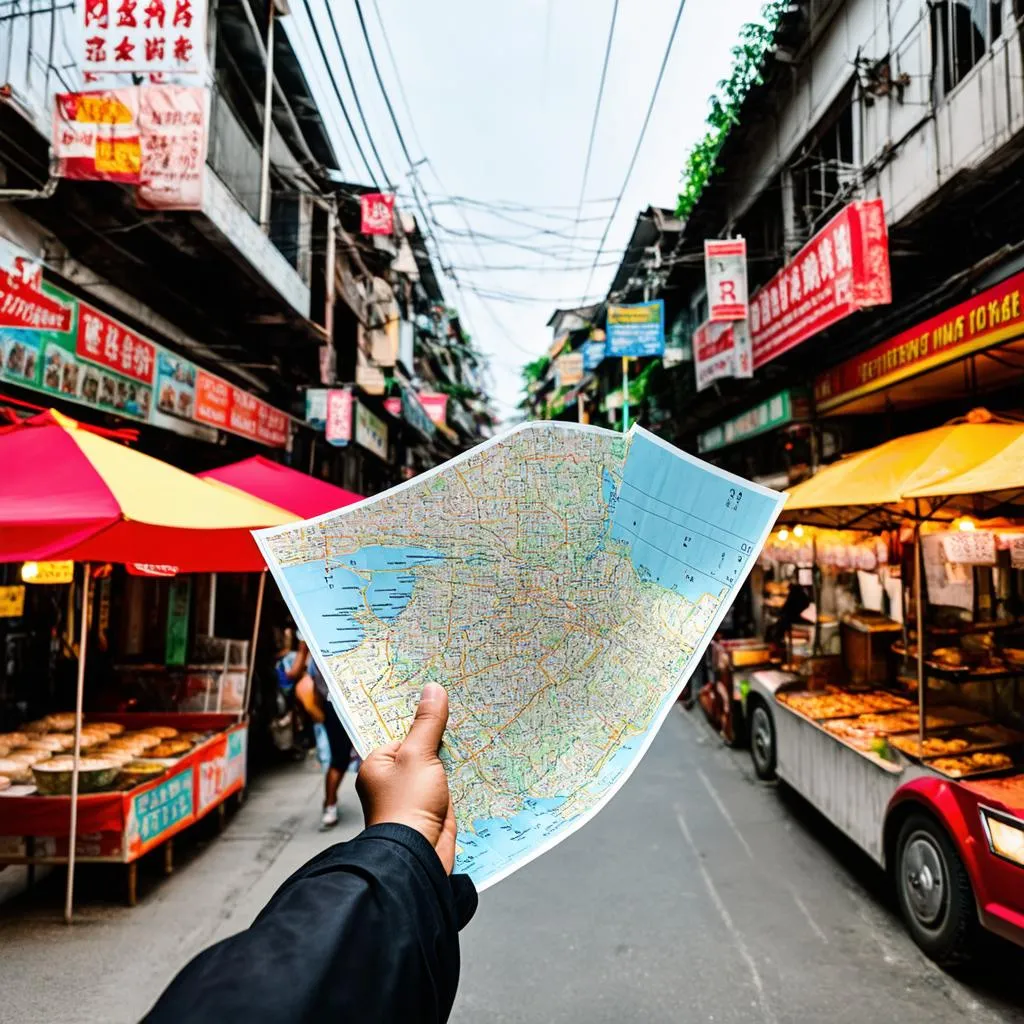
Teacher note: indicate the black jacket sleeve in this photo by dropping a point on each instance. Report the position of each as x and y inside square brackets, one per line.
[367, 931]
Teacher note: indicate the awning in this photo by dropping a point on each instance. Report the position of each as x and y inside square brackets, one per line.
[69, 493]
[860, 488]
[287, 488]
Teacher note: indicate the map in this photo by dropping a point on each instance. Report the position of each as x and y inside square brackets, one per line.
[560, 581]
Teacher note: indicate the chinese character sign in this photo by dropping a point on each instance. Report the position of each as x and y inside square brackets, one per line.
[103, 340]
[721, 350]
[143, 36]
[96, 135]
[172, 128]
[378, 214]
[725, 267]
[845, 267]
[637, 329]
[339, 416]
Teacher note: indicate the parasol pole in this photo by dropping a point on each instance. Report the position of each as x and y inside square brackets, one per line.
[83, 636]
[244, 710]
[919, 616]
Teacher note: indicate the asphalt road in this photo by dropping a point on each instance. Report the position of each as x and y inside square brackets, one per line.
[700, 894]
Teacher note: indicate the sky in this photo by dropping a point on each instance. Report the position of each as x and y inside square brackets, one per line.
[497, 108]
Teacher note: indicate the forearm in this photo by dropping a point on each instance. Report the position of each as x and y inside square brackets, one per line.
[368, 930]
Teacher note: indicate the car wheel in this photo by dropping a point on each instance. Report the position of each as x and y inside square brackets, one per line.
[935, 892]
[762, 742]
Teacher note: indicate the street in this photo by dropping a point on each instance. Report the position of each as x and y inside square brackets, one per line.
[697, 895]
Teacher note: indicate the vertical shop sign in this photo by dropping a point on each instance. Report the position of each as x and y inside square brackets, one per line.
[436, 405]
[143, 36]
[725, 268]
[173, 136]
[339, 416]
[179, 600]
[637, 329]
[316, 408]
[96, 135]
[721, 350]
[378, 214]
[845, 267]
[371, 432]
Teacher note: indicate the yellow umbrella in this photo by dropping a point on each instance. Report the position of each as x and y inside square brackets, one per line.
[867, 485]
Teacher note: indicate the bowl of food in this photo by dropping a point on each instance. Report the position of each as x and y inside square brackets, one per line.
[137, 772]
[53, 777]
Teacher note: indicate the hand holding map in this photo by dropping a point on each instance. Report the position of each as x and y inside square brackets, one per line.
[561, 582]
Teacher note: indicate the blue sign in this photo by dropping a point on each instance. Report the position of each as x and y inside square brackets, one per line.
[161, 808]
[593, 354]
[637, 329]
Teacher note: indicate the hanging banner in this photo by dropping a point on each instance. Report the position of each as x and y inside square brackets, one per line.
[593, 354]
[173, 136]
[845, 267]
[24, 305]
[371, 432]
[316, 408]
[725, 268]
[96, 136]
[378, 214]
[721, 350]
[416, 414]
[569, 369]
[339, 416]
[637, 330]
[145, 37]
[105, 341]
[986, 319]
[436, 405]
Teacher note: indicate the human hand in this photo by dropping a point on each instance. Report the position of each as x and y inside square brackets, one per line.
[404, 781]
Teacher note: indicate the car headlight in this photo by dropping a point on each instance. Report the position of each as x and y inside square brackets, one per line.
[1005, 836]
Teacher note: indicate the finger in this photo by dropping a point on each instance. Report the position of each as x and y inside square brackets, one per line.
[430, 721]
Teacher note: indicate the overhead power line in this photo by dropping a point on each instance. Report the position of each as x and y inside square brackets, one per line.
[337, 92]
[597, 114]
[639, 142]
[355, 95]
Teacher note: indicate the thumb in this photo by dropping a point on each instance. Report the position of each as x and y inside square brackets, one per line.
[430, 721]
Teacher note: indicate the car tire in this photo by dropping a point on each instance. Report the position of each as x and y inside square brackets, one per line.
[934, 892]
[762, 741]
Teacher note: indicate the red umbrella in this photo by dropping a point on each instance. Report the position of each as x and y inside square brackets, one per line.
[289, 489]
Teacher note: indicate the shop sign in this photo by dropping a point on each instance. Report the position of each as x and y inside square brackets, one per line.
[12, 602]
[220, 404]
[969, 547]
[393, 406]
[23, 305]
[990, 317]
[173, 123]
[339, 416]
[593, 354]
[103, 340]
[725, 268]
[845, 267]
[775, 412]
[378, 214]
[569, 369]
[416, 413]
[175, 386]
[721, 350]
[637, 329]
[436, 405]
[158, 810]
[371, 432]
[179, 601]
[96, 135]
[48, 572]
[143, 36]
[151, 569]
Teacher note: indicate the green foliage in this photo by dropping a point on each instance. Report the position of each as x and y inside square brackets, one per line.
[748, 59]
[460, 392]
[535, 371]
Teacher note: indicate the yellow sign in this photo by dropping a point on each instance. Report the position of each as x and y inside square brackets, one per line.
[12, 602]
[48, 572]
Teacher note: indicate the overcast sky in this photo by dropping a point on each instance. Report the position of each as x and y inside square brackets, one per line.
[500, 103]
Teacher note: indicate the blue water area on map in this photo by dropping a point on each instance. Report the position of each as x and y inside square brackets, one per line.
[495, 843]
[381, 577]
[688, 529]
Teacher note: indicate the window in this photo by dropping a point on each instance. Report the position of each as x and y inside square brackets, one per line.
[964, 32]
[825, 173]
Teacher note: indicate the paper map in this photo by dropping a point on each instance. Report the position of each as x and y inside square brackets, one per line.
[560, 581]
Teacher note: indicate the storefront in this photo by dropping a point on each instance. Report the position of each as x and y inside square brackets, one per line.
[896, 704]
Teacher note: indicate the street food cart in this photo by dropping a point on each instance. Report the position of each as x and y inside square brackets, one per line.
[911, 740]
[105, 786]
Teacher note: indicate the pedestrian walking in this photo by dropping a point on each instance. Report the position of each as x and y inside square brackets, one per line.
[340, 747]
[367, 930]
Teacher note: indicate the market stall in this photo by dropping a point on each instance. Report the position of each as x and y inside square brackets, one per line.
[152, 775]
[908, 733]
